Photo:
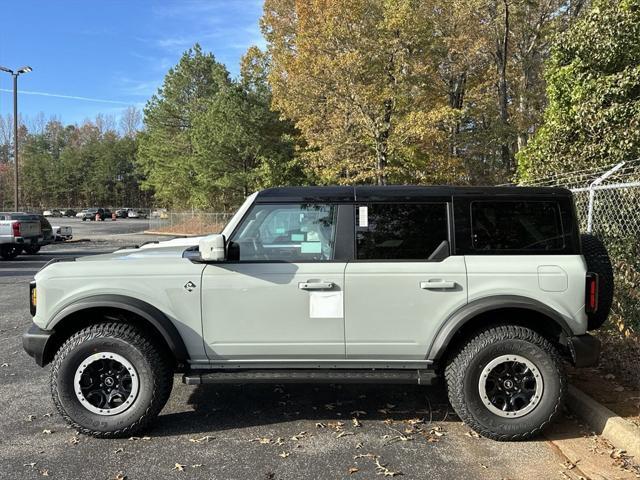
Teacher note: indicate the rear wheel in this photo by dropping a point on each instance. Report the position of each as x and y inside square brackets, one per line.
[9, 252]
[506, 383]
[31, 249]
[110, 380]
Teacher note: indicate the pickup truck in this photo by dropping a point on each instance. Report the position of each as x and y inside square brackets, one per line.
[18, 231]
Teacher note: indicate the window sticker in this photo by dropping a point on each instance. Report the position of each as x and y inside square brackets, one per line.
[363, 217]
[310, 247]
[326, 305]
[280, 230]
[297, 237]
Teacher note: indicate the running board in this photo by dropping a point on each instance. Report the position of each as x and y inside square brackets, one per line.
[419, 377]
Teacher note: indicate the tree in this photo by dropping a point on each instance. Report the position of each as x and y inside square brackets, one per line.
[348, 73]
[166, 154]
[241, 145]
[593, 117]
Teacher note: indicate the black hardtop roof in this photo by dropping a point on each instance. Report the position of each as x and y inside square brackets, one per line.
[390, 193]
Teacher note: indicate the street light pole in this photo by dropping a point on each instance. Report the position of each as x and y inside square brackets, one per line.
[15, 75]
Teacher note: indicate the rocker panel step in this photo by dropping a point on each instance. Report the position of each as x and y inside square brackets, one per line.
[419, 377]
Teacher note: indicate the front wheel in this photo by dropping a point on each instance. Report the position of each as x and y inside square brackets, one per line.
[109, 380]
[506, 383]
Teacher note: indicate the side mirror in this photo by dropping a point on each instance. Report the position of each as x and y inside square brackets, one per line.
[211, 248]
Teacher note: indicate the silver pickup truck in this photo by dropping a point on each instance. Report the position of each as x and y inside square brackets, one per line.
[18, 231]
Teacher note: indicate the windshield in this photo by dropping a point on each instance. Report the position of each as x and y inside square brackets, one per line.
[230, 227]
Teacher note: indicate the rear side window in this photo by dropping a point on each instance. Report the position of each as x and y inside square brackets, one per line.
[510, 225]
[400, 231]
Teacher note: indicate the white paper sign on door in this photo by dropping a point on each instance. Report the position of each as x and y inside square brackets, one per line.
[325, 305]
[363, 217]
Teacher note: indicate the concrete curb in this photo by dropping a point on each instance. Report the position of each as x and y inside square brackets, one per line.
[167, 234]
[622, 433]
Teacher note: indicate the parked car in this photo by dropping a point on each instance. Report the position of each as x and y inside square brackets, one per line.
[159, 213]
[18, 230]
[137, 213]
[81, 213]
[61, 233]
[489, 288]
[91, 213]
[52, 213]
[123, 212]
[69, 212]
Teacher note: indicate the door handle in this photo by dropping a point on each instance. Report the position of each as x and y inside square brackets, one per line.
[437, 285]
[315, 285]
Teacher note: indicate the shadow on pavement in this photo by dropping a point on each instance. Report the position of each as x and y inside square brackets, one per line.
[222, 407]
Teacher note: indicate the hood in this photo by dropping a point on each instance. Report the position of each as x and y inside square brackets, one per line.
[174, 251]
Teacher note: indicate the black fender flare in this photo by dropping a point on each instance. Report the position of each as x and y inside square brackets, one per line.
[144, 310]
[466, 313]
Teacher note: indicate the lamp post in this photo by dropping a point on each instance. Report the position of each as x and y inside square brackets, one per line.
[15, 75]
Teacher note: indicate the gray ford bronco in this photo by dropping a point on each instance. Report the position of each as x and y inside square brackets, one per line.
[490, 288]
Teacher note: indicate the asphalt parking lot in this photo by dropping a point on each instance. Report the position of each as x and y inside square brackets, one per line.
[254, 431]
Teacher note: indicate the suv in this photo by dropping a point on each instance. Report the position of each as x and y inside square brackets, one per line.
[92, 213]
[487, 287]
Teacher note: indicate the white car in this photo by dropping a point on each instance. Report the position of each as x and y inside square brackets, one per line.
[488, 287]
[62, 233]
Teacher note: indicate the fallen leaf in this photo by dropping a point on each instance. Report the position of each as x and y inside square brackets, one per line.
[196, 465]
[284, 454]
[356, 423]
[320, 425]
[73, 441]
[298, 436]
[33, 464]
[31, 418]
[120, 476]
[359, 445]
[206, 438]
[4, 365]
[344, 433]
[47, 432]
[472, 434]
[179, 468]
[44, 472]
[353, 470]
[119, 450]
[482, 465]
[279, 441]
[383, 470]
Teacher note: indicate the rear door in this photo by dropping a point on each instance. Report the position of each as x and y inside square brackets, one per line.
[402, 282]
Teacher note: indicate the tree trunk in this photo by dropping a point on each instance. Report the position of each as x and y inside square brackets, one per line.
[502, 49]
[457, 89]
[382, 144]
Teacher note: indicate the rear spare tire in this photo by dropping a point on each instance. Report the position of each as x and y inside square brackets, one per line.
[597, 258]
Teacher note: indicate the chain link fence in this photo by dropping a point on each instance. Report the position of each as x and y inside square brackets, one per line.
[608, 205]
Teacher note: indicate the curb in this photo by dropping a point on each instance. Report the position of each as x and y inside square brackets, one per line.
[622, 433]
[168, 234]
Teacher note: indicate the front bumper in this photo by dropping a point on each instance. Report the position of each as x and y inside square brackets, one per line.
[34, 342]
[584, 349]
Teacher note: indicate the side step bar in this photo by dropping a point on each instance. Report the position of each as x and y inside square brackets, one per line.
[404, 376]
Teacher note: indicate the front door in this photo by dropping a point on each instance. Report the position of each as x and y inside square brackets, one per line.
[280, 294]
[403, 281]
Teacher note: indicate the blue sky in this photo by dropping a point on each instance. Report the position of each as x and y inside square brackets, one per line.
[115, 51]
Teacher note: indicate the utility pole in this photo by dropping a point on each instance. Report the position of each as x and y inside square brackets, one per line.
[15, 75]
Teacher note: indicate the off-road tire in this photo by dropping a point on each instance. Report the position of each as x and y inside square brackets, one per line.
[463, 372]
[9, 252]
[597, 258]
[31, 249]
[154, 371]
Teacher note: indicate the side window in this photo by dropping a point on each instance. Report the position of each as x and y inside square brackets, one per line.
[509, 225]
[400, 231]
[286, 233]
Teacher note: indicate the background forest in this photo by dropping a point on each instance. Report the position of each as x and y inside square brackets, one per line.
[360, 91]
